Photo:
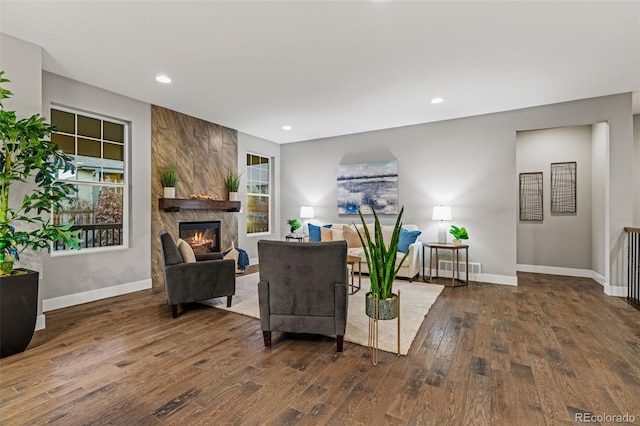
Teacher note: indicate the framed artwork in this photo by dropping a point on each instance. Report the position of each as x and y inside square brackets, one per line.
[368, 187]
[531, 197]
[563, 187]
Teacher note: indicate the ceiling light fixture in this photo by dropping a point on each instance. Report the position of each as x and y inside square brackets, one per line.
[163, 79]
[436, 100]
[286, 127]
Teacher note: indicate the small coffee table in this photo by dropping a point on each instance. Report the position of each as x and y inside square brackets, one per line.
[352, 260]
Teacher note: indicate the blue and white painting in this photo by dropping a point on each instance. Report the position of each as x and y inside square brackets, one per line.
[368, 187]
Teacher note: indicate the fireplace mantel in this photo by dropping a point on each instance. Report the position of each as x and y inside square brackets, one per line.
[176, 204]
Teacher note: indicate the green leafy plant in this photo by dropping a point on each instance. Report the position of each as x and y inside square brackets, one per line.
[381, 260]
[169, 176]
[26, 155]
[459, 233]
[294, 224]
[232, 182]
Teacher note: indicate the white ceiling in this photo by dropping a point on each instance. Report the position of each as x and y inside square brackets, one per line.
[333, 68]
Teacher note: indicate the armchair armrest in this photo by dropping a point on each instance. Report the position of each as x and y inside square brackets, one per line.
[208, 256]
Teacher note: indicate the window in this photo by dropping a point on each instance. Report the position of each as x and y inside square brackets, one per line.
[258, 194]
[98, 146]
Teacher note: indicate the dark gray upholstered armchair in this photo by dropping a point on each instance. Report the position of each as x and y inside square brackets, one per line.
[303, 288]
[209, 277]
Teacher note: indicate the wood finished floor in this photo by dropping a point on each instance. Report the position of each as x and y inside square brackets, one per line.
[486, 355]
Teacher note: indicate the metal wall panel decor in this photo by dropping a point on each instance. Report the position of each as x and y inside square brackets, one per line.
[563, 187]
[531, 197]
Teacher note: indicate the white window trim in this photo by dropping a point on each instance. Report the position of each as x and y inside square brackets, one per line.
[124, 185]
[269, 196]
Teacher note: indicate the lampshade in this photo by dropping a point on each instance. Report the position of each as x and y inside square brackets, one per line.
[306, 212]
[441, 213]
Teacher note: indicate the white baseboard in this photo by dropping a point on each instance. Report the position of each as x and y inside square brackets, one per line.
[40, 322]
[598, 278]
[253, 261]
[555, 270]
[617, 291]
[93, 295]
[484, 278]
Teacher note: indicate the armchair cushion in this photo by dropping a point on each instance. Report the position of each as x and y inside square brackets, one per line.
[188, 256]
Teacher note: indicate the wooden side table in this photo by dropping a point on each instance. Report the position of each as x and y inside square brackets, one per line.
[455, 262]
[352, 260]
[294, 238]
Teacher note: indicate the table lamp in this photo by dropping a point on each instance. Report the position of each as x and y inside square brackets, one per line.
[306, 212]
[442, 213]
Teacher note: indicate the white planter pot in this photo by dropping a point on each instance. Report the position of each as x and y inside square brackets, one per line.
[233, 196]
[457, 242]
[169, 192]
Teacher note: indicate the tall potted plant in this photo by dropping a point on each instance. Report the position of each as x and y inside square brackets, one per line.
[25, 155]
[381, 261]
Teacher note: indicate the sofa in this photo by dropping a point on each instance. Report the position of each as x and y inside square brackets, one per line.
[336, 232]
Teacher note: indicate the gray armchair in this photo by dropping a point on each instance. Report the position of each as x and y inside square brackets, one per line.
[303, 288]
[209, 277]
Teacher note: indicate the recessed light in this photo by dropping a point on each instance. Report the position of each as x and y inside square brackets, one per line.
[286, 127]
[437, 100]
[163, 79]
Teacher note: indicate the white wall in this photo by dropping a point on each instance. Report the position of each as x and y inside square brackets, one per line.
[561, 239]
[248, 143]
[599, 200]
[84, 276]
[636, 171]
[469, 164]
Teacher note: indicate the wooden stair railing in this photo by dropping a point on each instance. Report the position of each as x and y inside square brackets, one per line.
[633, 290]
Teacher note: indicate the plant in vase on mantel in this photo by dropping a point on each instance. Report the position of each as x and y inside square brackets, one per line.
[34, 163]
[458, 234]
[168, 180]
[232, 183]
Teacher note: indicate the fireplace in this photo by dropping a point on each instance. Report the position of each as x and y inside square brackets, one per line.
[203, 237]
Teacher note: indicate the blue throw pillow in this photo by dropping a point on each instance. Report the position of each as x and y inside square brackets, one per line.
[315, 234]
[406, 239]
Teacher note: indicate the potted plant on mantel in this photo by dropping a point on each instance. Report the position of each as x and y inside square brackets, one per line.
[168, 179]
[26, 157]
[232, 183]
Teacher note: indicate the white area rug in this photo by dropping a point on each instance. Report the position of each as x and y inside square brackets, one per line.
[416, 299]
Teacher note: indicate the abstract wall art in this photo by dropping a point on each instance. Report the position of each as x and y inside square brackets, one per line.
[563, 187]
[368, 187]
[531, 197]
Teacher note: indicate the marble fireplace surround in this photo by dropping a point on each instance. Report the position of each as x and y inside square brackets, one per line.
[203, 153]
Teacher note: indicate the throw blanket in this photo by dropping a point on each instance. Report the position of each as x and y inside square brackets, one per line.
[243, 258]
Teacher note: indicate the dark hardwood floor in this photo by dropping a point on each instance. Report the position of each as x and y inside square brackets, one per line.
[539, 353]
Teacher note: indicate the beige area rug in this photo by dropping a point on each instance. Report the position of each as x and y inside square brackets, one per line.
[416, 299]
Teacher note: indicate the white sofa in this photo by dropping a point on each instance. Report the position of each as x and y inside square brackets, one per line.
[410, 268]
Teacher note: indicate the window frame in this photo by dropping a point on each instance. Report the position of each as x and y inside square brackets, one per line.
[268, 195]
[123, 186]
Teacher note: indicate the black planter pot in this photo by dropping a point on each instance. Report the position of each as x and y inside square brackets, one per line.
[18, 311]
